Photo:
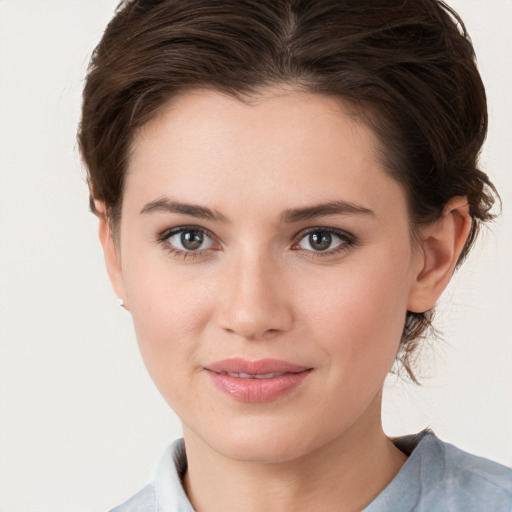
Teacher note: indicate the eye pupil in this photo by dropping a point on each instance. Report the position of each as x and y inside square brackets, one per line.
[320, 241]
[192, 239]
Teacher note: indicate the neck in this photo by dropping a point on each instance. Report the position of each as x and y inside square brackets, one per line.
[345, 474]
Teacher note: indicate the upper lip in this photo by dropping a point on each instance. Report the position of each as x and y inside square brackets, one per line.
[258, 367]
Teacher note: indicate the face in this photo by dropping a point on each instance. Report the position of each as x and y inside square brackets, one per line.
[266, 260]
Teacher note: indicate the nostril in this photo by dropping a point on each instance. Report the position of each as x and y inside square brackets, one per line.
[252, 333]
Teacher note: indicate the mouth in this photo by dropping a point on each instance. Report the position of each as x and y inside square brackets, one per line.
[245, 368]
[264, 380]
[241, 375]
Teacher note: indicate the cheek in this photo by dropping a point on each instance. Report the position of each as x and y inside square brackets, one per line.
[169, 313]
[358, 326]
[359, 311]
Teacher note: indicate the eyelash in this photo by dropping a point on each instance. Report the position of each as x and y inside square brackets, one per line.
[346, 242]
[163, 238]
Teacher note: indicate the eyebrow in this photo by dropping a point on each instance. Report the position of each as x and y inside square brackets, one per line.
[324, 209]
[287, 217]
[169, 206]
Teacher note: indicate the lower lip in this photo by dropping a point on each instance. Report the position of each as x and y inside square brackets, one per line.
[257, 390]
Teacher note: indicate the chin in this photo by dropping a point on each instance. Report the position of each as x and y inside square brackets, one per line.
[263, 445]
[272, 451]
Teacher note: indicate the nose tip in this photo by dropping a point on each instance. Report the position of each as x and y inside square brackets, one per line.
[254, 306]
[248, 330]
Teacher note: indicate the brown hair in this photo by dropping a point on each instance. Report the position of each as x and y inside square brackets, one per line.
[406, 66]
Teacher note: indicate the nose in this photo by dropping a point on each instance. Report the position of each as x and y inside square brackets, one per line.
[253, 303]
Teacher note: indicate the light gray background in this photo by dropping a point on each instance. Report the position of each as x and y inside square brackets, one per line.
[81, 424]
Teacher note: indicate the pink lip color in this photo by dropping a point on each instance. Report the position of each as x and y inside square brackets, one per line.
[264, 389]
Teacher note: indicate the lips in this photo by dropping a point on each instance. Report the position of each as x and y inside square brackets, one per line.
[241, 375]
[256, 381]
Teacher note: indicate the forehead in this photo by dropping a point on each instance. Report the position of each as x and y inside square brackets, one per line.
[284, 145]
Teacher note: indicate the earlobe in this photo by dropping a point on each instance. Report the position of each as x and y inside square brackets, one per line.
[110, 253]
[441, 244]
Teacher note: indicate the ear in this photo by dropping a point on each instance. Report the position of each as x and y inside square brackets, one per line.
[441, 244]
[110, 252]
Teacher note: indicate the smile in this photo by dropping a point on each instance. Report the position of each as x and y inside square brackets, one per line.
[256, 381]
[241, 375]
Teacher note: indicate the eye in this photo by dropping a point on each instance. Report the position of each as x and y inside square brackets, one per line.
[324, 240]
[185, 240]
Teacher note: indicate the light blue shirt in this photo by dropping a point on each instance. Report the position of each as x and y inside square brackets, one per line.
[437, 477]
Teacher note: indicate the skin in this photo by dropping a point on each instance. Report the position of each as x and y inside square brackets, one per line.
[257, 289]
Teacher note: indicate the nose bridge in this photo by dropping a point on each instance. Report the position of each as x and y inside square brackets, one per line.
[253, 304]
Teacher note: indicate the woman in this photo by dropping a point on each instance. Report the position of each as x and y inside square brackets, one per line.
[284, 190]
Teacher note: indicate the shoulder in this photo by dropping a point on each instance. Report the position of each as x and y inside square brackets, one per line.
[166, 492]
[143, 501]
[439, 476]
[468, 480]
